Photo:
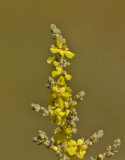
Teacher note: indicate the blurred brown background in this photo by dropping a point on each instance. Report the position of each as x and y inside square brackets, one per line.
[95, 31]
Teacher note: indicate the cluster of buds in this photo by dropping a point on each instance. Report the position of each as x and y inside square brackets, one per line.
[110, 151]
[38, 108]
[95, 137]
[73, 117]
[56, 31]
[62, 108]
[79, 96]
[42, 139]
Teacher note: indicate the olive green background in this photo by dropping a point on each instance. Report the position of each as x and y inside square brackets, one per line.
[95, 31]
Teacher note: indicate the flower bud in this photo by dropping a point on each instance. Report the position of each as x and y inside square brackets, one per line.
[90, 143]
[55, 63]
[55, 149]
[100, 156]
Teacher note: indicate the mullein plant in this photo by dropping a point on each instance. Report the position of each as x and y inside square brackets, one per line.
[62, 109]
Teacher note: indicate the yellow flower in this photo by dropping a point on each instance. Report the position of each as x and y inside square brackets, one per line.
[61, 74]
[77, 148]
[65, 129]
[58, 95]
[62, 51]
[60, 138]
[63, 133]
[57, 115]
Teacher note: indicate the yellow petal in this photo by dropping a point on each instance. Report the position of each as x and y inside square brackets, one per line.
[61, 114]
[69, 54]
[58, 102]
[55, 89]
[81, 154]
[71, 151]
[63, 137]
[67, 95]
[84, 147]
[79, 142]
[61, 52]
[67, 112]
[68, 77]
[54, 50]
[53, 107]
[62, 89]
[50, 60]
[52, 96]
[61, 81]
[58, 110]
[68, 131]
[55, 73]
[51, 111]
[52, 119]
[71, 143]
[59, 120]
[58, 68]
[64, 145]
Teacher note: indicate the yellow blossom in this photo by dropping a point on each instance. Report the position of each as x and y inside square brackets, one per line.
[66, 129]
[57, 115]
[77, 148]
[63, 52]
[58, 95]
[61, 74]
[63, 133]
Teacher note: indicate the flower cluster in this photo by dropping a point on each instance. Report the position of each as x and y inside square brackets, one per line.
[62, 108]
